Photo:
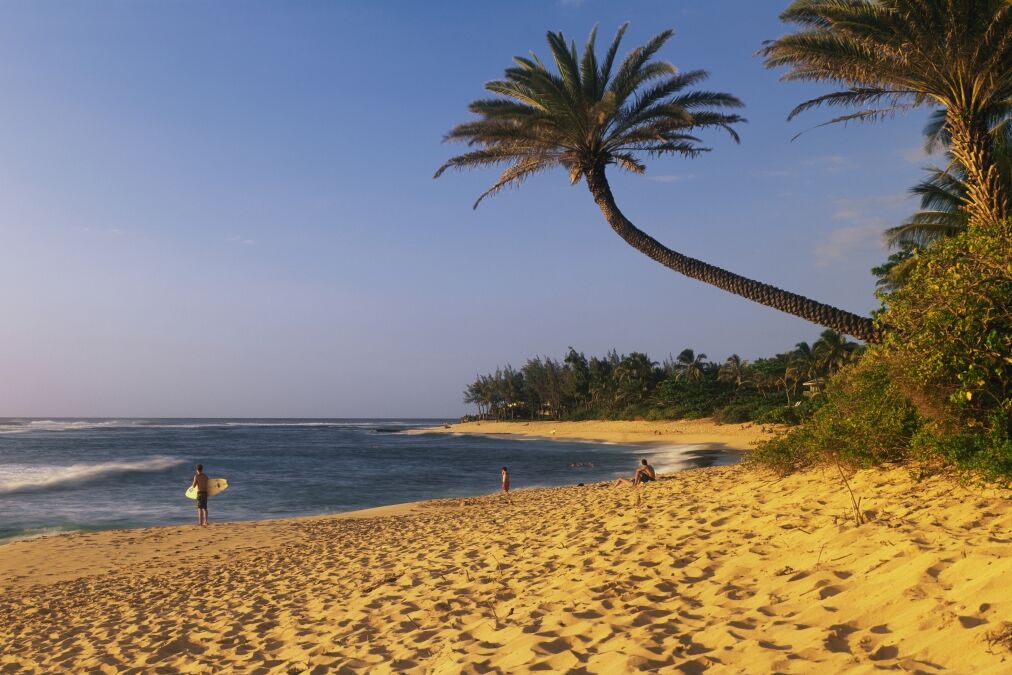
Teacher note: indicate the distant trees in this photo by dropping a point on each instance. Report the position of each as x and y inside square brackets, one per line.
[617, 386]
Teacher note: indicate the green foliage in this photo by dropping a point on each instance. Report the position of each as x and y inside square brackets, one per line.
[864, 419]
[950, 347]
[687, 386]
[938, 390]
[588, 113]
[888, 56]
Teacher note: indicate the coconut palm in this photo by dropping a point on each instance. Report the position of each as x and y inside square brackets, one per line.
[690, 366]
[943, 208]
[833, 351]
[586, 117]
[897, 55]
[734, 369]
[804, 361]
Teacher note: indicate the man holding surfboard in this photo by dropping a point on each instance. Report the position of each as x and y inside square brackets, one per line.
[200, 482]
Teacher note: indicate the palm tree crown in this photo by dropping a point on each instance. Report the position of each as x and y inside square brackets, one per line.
[586, 117]
[895, 55]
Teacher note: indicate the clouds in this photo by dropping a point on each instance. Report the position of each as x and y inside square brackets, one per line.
[844, 242]
[864, 222]
[825, 163]
[672, 178]
[918, 155]
[831, 163]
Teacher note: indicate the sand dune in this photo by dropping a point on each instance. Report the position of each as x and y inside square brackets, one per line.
[713, 568]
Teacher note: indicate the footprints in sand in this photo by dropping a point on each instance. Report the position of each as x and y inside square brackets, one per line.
[698, 573]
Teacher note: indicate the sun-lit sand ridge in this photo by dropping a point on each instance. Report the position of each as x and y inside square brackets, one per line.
[740, 436]
[726, 568]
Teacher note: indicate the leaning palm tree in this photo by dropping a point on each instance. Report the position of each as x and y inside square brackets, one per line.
[897, 55]
[586, 117]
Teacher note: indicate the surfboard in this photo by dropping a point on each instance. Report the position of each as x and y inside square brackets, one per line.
[214, 486]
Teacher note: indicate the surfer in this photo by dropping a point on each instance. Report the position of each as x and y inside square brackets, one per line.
[200, 482]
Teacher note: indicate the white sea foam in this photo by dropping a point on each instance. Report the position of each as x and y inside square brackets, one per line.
[38, 533]
[669, 458]
[24, 426]
[26, 478]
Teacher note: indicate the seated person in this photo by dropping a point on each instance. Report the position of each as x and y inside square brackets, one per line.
[644, 474]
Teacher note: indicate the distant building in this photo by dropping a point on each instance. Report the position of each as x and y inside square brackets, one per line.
[814, 387]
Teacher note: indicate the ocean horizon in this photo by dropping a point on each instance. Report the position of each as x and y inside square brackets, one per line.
[61, 475]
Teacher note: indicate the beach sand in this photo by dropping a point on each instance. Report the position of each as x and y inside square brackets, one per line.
[740, 436]
[725, 568]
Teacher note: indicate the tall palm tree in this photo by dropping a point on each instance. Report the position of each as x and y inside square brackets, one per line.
[690, 366]
[943, 197]
[902, 54]
[804, 360]
[585, 117]
[734, 369]
[833, 351]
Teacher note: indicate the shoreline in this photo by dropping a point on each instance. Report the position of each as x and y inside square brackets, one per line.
[739, 436]
[723, 567]
[709, 436]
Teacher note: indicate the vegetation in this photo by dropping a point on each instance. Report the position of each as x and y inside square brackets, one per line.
[939, 388]
[586, 117]
[943, 196]
[629, 386]
[936, 384]
[896, 55]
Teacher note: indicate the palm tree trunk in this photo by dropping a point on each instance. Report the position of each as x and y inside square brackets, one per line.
[840, 320]
[987, 199]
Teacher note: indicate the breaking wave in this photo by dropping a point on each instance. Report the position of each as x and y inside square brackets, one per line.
[18, 478]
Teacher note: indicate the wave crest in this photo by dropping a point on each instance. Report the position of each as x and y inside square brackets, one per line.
[39, 478]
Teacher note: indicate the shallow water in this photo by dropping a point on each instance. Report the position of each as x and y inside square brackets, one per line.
[64, 475]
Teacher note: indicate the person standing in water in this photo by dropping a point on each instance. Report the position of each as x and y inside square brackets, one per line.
[505, 480]
[200, 482]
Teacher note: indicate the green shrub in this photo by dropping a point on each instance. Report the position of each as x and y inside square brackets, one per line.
[937, 389]
[785, 414]
[949, 347]
[864, 419]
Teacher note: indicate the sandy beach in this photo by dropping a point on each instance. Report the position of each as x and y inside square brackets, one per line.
[724, 568]
[740, 436]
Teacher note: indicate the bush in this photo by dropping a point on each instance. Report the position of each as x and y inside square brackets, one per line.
[864, 419]
[938, 387]
[949, 346]
[785, 414]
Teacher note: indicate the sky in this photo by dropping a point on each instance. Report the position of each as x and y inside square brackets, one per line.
[219, 209]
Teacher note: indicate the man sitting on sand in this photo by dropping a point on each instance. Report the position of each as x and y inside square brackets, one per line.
[644, 474]
[200, 482]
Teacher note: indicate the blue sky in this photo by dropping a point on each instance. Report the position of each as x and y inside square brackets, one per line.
[227, 209]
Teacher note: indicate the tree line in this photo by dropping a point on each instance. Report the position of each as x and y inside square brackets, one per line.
[628, 386]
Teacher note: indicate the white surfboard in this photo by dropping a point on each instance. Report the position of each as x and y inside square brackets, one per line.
[214, 486]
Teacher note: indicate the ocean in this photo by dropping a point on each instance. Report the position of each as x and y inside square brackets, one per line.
[67, 475]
